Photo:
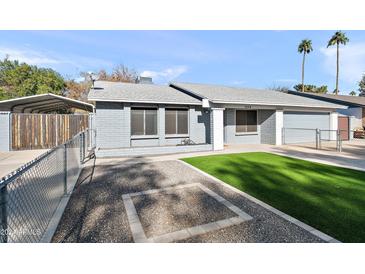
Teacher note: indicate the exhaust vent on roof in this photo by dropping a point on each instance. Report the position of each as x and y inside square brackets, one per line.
[144, 80]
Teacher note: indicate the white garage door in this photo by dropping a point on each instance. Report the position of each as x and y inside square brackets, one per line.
[300, 126]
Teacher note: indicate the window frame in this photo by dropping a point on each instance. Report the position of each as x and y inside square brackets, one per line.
[144, 136]
[176, 135]
[247, 132]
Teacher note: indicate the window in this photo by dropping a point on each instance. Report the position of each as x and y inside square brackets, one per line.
[176, 121]
[144, 121]
[246, 121]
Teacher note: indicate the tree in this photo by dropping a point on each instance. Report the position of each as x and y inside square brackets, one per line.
[79, 90]
[337, 39]
[120, 73]
[311, 88]
[353, 93]
[304, 47]
[20, 79]
[278, 88]
[362, 86]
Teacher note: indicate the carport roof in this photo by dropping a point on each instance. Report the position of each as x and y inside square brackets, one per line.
[234, 95]
[43, 103]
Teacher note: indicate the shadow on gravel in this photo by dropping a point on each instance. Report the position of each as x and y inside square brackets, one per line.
[95, 212]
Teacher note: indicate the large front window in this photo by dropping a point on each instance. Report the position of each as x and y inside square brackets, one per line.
[176, 121]
[144, 121]
[246, 121]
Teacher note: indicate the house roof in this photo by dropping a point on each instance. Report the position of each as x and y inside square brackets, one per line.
[139, 93]
[233, 95]
[42, 103]
[346, 100]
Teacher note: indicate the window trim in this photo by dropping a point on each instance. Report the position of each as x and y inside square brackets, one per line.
[144, 136]
[177, 135]
[249, 132]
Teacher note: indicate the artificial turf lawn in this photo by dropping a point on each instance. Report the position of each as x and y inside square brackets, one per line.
[329, 198]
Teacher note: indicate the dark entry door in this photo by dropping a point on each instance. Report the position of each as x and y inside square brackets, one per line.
[343, 125]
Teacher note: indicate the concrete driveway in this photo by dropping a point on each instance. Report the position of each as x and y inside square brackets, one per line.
[166, 201]
[11, 160]
[352, 155]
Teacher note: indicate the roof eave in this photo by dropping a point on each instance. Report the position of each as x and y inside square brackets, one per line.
[324, 98]
[278, 105]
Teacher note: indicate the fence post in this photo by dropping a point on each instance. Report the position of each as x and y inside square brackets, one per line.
[317, 138]
[339, 141]
[82, 147]
[65, 168]
[3, 215]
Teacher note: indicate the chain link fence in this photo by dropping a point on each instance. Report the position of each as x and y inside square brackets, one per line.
[312, 137]
[30, 195]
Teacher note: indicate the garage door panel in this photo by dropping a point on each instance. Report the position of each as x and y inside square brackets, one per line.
[300, 126]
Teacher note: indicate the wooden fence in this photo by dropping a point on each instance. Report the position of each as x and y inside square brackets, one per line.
[42, 131]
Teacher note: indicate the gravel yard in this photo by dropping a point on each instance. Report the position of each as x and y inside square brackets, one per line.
[97, 213]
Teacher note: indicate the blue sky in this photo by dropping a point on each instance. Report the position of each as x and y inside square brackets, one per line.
[237, 58]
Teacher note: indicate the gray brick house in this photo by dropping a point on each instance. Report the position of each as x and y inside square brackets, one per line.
[142, 119]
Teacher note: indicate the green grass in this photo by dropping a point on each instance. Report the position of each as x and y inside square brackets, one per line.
[331, 199]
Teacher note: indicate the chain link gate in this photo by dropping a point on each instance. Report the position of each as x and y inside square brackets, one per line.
[312, 136]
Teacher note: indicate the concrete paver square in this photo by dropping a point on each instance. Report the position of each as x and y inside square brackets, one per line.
[176, 213]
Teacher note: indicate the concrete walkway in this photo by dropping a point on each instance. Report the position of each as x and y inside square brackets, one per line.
[167, 201]
[352, 155]
[10, 161]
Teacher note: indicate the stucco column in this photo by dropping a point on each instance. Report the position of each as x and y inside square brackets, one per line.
[279, 124]
[5, 131]
[333, 125]
[161, 125]
[217, 128]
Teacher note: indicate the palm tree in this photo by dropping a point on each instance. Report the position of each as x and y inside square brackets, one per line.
[338, 38]
[304, 47]
[353, 93]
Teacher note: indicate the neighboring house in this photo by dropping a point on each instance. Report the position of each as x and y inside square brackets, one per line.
[355, 105]
[140, 119]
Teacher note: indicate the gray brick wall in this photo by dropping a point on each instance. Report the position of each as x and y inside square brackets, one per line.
[199, 125]
[230, 136]
[267, 124]
[4, 131]
[112, 125]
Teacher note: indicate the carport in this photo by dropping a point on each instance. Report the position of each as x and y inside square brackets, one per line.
[34, 122]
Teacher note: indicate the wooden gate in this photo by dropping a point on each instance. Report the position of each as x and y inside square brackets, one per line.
[43, 131]
[343, 125]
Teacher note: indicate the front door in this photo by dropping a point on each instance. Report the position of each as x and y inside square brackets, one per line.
[343, 125]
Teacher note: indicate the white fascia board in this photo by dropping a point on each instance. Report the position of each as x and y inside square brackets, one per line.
[205, 103]
[278, 105]
[142, 101]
